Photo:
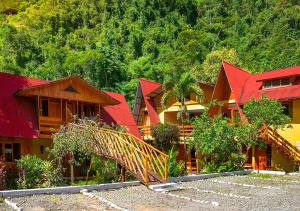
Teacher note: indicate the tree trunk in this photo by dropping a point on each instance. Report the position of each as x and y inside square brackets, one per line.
[184, 141]
[88, 172]
[72, 173]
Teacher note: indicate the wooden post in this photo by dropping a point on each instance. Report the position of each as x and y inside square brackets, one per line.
[38, 111]
[99, 110]
[72, 173]
[123, 175]
[146, 170]
[61, 112]
[166, 169]
[77, 109]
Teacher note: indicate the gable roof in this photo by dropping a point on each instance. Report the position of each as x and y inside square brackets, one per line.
[88, 93]
[245, 85]
[17, 114]
[17, 117]
[145, 88]
[120, 114]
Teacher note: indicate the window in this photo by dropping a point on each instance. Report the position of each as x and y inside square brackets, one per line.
[267, 84]
[44, 107]
[285, 81]
[11, 152]
[288, 109]
[8, 152]
[16, 151]
[42, 149]
[276, 83]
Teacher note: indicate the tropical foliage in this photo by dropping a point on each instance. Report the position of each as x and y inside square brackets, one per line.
[113, 43]
[165, 136]
[37, 173]
[221, 141]
[216, 139]
[175, 168]
[268, 112]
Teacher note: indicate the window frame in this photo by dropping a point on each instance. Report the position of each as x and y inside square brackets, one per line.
[3, 151]
[276, 83]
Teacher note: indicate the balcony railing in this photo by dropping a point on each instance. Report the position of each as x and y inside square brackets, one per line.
[48, 125]
[185, 130]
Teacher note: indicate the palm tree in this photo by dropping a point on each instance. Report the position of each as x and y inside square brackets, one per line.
[179, 85]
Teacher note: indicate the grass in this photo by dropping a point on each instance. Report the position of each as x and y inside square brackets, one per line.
[83, 182]
[260, 175]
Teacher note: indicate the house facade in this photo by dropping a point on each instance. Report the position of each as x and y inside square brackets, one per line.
[235, 86]
[148, 111]
[32, 109]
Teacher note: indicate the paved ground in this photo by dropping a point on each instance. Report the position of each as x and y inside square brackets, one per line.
[229, 193]
[63, 202]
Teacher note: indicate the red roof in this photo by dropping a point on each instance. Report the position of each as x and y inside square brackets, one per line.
[17, 117]
[120, 114]
[147, 87]
[17, 114]
[246, 85]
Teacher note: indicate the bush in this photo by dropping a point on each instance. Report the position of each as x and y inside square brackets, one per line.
[218, 141]
[175, 168]
[37, 173]
[165, 135]
[104, 170]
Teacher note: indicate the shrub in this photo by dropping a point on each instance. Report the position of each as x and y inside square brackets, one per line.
[2, 175]
[175, 168]
[104, 170]
[165, 135]
[217, 140]
[36, 173]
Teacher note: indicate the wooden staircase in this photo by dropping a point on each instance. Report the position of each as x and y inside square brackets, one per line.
[145, 162]
[282, 145]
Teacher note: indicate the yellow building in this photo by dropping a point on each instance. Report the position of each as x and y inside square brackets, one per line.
[148, 111]
[235, 86]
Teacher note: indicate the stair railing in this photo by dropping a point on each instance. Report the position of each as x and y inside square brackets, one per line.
[274, 137]
[137, 156]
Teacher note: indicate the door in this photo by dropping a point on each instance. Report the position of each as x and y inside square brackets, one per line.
[260, 158]
[70, 111]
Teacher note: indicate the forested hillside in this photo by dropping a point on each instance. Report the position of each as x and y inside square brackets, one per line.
[112, 43]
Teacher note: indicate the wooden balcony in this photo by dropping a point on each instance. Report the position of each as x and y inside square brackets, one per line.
[184, 131]
[48, 125]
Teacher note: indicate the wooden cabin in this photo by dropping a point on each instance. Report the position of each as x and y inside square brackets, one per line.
[235, 86]
[32, 109]
[148, 111]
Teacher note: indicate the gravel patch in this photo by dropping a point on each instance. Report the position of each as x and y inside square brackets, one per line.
[5, 207]
[232, 193]
[63, 202]
[141, 198]
[285, 197]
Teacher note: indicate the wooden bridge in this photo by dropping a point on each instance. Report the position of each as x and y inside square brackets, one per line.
[145, 162]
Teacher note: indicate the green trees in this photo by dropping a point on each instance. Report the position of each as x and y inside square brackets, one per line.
[216, 139]
[221, 142]
[113, 43]
[179, 85]
[37, 173]
[74, 142]
[165, 136]
[268, 112]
